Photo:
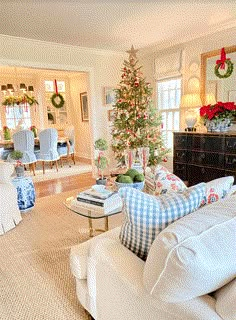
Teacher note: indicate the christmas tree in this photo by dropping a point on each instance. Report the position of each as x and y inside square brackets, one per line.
[137, 123]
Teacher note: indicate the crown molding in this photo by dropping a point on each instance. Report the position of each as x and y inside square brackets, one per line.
[96, 51]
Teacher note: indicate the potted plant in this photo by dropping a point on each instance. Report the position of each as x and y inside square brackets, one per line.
[34, 130]
[6, 133]
[19, 167]
[101, 161]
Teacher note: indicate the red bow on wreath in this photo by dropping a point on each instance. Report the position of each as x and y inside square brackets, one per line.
[222, 59]
[56, 89]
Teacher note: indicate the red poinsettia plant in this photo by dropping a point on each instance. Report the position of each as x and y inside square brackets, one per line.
[220, 110]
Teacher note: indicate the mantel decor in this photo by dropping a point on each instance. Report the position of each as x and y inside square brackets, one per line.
[218, 117]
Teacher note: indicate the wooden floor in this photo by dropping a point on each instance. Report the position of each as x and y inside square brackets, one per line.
[46, 188]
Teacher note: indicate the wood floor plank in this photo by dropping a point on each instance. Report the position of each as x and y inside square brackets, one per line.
[46, 188]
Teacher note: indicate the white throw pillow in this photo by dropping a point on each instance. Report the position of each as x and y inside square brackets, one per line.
[145, 215]
[195, 255]
[226, 301]
[218, 189]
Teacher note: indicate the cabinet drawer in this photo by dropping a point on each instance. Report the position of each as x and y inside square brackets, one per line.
[207, 158]
[180, 170]
[208, 143]
[230, 145]
[230, 162]
[180, 155]
[199, 174]
[180, 141]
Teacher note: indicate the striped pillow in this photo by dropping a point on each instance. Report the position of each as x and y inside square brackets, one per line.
[145, 216]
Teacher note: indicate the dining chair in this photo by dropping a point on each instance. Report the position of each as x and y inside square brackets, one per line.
[48, 147]
[24, 141]
[67, 148]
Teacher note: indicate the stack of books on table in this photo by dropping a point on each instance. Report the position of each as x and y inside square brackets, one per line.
[107, 202]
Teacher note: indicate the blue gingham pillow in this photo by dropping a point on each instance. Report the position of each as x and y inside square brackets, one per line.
[145, 216]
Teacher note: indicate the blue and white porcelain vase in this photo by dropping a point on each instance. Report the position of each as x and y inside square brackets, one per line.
[218, 125]
[25, 193]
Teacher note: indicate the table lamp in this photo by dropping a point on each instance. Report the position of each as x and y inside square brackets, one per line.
[192, 102]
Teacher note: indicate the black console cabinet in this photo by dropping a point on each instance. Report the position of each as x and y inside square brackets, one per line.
[201, 157]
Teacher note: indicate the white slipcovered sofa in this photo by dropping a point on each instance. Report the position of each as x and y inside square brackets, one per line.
[189, 273]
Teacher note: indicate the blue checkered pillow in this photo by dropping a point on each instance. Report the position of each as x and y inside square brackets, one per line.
[146, 215]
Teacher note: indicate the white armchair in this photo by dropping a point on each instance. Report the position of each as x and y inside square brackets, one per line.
[9, 212]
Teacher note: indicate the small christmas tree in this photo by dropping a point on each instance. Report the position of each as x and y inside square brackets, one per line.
[137, 123]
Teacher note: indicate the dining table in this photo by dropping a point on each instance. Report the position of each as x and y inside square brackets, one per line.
[9, 144]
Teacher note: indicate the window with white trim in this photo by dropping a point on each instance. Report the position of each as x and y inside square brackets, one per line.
[168, 104]
[16, 114]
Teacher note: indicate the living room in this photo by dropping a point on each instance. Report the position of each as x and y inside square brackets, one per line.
[31, 288]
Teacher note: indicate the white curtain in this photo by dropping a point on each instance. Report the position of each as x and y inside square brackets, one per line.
[169, 65]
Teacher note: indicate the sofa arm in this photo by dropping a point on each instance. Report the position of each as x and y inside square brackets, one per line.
[79, 253]
[115, 280]
[124, 263]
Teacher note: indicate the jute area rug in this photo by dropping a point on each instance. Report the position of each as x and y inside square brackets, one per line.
[65, 171]
[35, 278]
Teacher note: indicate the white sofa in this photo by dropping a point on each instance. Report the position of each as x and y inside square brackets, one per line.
[195, 254]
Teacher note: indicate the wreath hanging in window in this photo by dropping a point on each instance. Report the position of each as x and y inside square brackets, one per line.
[57, 99]
[220, 64]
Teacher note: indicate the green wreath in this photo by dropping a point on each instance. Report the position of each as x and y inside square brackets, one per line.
[230, 68]
[61, 102]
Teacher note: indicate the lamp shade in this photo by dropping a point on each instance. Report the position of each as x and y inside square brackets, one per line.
[210, 99]
[191, 100]
[30, 88]
[10, 87]
[23, 86]
[3, 87]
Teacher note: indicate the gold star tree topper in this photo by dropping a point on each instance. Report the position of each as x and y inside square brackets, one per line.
[132, 53]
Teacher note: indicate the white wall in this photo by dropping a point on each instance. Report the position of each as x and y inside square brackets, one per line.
[79, 84]
[103, 68]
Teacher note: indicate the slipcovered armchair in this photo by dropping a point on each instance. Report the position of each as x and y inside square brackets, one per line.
[48, 146]
[9, 212]
[24, 142]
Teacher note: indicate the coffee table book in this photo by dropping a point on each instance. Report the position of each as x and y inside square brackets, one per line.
[106, 206]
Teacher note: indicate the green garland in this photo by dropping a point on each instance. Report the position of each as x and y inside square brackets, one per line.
[55, 104]
[230, 68]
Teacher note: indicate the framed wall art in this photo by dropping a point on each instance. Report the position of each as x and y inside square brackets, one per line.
[109, 96]
[111, 115]
[232, 96]
[84, 106]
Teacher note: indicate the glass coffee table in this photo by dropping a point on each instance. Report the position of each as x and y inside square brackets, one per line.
[91, 212]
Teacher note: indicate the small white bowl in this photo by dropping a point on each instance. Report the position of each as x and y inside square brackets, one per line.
[98, 187]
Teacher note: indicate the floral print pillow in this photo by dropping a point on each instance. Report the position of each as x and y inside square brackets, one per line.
[162, 181]
[218, 189]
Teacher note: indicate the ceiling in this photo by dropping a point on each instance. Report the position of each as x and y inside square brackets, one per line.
[115, 25]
